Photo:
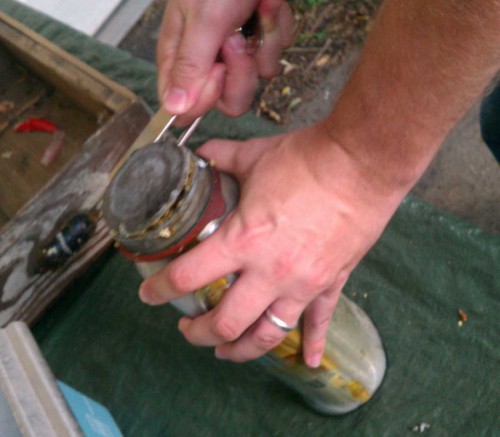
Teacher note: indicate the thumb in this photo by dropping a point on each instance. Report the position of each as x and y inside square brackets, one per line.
[191, 67]
[234, 157]
[224, 154]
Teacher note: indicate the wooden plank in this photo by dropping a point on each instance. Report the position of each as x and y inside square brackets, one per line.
[22, 170]
[101, 119]
[4, 218]
[78, 187]
[21, 173]
[77, 80]
[18, 88]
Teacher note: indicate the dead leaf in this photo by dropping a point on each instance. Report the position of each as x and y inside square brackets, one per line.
[294, 103]
[462, 314]
[321, 62]
[287, 66]
[273, 115]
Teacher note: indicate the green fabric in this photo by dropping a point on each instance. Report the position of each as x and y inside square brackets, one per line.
[101, 340]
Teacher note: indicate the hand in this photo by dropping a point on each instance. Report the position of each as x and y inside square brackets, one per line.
[203, 61]
[308, 213]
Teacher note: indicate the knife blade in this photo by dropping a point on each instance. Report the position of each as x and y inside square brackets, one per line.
[154, 130]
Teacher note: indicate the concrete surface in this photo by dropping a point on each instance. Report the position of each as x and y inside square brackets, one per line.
[463, 179]
[142, 38]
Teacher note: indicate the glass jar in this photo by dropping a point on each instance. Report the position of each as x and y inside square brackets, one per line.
[163, 201]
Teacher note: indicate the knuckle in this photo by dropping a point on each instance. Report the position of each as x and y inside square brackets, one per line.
[237, 106]
[179, 277]
[225, 329]
[270, 72]
[296, 263]
[240, 360]
[266, 341]
[342, 278]
[317, 281]
[250, 234]
[186, 68]
[287, 40]
[215, 15]
[235, 111]
[163, 54]
[320, 323]
[318, 276]
[285, 266]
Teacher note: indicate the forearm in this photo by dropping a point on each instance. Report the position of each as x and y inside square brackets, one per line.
[423, 65]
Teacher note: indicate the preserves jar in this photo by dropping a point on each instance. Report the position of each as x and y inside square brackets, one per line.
[163, 201]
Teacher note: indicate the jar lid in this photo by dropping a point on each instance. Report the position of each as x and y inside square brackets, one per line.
[145, 187]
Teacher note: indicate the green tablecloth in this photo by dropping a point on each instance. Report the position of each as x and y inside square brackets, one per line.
[103, 341]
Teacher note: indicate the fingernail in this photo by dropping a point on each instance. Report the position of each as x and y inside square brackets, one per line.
[315, 360]
[183, 324]
[147, 295]
[219, 354]
[175, 100]
[268, 23]
[237, 42]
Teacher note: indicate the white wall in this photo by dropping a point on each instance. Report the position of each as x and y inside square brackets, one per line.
[85, 16]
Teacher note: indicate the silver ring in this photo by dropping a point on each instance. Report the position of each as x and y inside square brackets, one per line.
[254, 44]
[276, 321]
[253, 33]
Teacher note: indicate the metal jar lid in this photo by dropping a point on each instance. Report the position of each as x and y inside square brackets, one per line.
[157, 197]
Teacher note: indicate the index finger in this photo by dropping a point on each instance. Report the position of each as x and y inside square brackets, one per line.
[186, 68]
[170, 35]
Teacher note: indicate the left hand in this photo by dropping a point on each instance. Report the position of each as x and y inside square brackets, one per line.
[308, 213]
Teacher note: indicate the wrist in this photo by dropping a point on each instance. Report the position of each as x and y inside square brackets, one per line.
[392, 160]
[352, 180]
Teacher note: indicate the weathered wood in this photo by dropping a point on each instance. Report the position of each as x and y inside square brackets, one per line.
[79, 187]
[25, 95]
[77, 80]
[102, 119]
[18, 89]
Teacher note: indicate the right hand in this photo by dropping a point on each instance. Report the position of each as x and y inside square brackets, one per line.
[203, 62]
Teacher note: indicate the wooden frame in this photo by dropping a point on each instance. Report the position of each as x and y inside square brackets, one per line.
[25, 290]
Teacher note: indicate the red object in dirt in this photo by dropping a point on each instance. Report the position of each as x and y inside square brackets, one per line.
[36, 125]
